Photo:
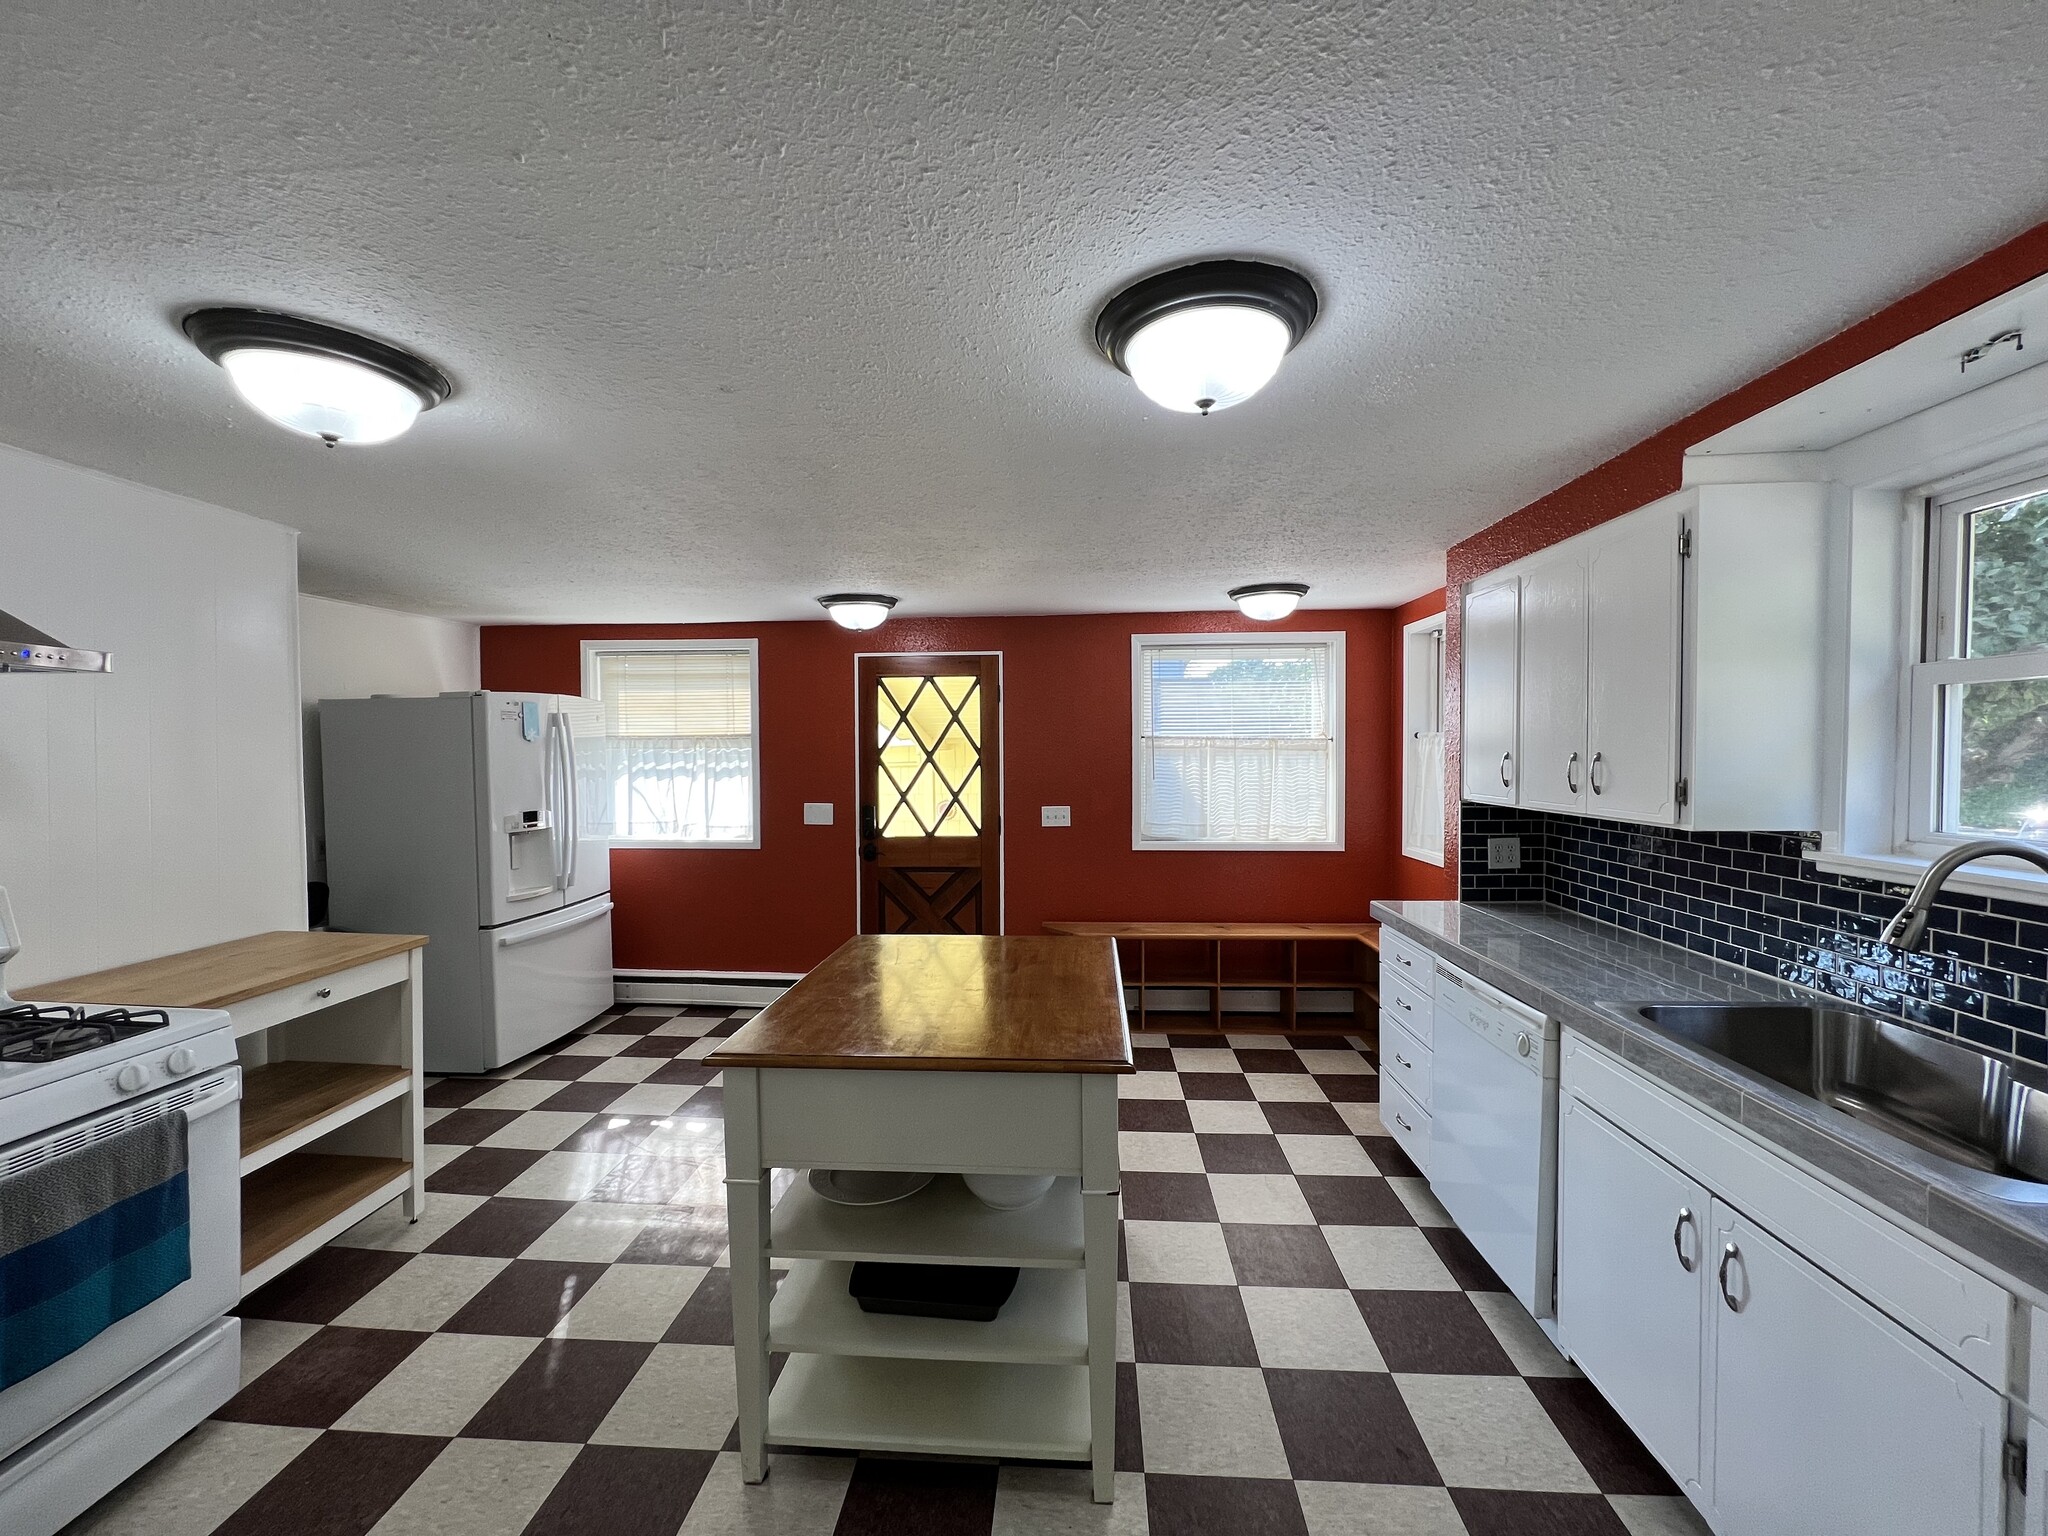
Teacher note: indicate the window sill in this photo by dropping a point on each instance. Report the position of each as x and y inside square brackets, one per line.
[2015, 883]
[671, 842]
[1425, 856]
[1141, 845]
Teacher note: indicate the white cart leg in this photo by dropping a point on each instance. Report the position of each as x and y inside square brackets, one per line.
[412, 1118]
[1101, 1184]
[746, 1206]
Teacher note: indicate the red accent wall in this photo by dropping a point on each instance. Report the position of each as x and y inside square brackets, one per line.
[1652, 468]
[1412, 879]
[1066, 740]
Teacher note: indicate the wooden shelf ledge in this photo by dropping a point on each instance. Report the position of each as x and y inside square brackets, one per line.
[289, 1103]
[293, 1198]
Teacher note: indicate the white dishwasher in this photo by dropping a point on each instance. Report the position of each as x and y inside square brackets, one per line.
[1493, 1130]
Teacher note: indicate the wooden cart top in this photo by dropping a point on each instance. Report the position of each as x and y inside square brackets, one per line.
[947, 1003]
[1366, 933]
[223, 974]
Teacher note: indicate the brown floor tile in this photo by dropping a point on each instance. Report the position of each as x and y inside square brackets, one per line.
[322, 1379]
[680, 1235]
[1462, 1259]
[1613, 1457]
[467, 1127]
[525, 1299]
[1282, 1255]
[501, 1228]
[1387, 1156]
[1222, 1506]
[454, 1092]
[1215, 1085]
[610, 1133]
[704, 1104]
[666, 1046]
[584, 1097]
[631, 1024]
[1432, 1332]
[1153, 1115]
[1348, 1427]
[1241, 1154]
[1190, 1325]
[1269, 1061]
[561, 1068]
[1168, 1197]
[340, 1485]
[931, 1498]
[1185, 1041]
[481, 1171]
[1333, 1039]
[326, 1285]
[706, 1317]
[561, 1391]
[1148, 1058]
[622, 1490]
[1304, 1119]
[1350, 1088]
[1130, 1432]
[1353, 1200]
[1505, 1512]
[682, 1071]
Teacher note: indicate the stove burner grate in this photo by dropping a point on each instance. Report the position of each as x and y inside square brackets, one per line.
[35, 1032]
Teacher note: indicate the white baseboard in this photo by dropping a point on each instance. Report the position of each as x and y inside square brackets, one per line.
[739, 989]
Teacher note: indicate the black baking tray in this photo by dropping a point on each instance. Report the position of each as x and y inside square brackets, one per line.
[969, 1293]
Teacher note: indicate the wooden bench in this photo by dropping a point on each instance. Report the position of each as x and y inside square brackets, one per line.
[1222, 958]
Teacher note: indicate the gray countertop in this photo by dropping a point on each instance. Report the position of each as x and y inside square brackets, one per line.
[1589, 977]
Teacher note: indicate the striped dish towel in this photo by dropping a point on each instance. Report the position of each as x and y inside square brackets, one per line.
[89, 1237]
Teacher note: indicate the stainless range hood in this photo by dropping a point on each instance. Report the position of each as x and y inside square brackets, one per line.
[24, 648]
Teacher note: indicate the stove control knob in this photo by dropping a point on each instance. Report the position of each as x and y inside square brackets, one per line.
[131, 1077]
[179, 1062]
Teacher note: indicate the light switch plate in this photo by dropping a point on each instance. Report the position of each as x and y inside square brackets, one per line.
[1055, 815]
[1503, 853]
[817, 813]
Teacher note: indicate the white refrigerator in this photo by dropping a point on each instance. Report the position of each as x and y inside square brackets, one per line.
[459, 817]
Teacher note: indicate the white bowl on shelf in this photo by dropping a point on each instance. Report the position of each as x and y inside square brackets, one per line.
[1008, 1191]
[860, 1186]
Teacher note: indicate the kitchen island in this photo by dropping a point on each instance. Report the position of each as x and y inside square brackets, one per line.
[952, 1055]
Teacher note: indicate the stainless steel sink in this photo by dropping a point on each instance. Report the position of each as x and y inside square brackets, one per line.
[1939, 1094]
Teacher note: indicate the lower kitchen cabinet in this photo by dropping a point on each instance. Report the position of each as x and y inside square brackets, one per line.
[1632, 1237]
[1827, 1417]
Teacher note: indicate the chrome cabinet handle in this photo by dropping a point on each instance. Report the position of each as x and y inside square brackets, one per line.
[1728, 1256]
[1571, 773]
[1593, 775]
[325, 992]
[1403, 1123]
[1403, 1061]
[1504, 769]
[1678, 1241]
[1402, 1004]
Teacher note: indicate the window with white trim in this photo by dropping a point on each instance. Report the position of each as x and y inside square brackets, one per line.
[679, 762]
[1237, 741]
[1979, 693]
[1422, 740]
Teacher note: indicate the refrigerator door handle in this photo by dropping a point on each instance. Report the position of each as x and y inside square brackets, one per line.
[573, 800]
[514, 940]
[551, 771]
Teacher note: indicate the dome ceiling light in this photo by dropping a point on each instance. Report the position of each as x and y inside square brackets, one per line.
[858, 610]
[1268, 600]
[316, 379]
[1208, 336]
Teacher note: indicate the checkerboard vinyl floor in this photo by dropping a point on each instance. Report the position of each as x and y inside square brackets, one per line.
[1309, 1346]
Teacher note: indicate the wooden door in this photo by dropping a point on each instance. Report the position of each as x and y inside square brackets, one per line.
[930, 794]
[1551, 698]
[1490, 635]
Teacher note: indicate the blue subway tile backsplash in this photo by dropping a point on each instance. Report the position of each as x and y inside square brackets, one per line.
[1751, 899]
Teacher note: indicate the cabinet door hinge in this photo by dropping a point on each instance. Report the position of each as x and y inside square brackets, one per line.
[1684, 542]
[2015, 1461]
[1682, 791]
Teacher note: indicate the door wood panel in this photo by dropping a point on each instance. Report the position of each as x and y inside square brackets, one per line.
[930, 823]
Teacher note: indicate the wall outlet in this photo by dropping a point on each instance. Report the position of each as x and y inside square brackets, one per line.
[817, 813]
[1503, 853]
[1055, 815]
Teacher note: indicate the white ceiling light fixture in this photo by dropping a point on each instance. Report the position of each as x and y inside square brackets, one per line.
[317, 379]
[1268, 600]
[858, 610]
[1205, 337]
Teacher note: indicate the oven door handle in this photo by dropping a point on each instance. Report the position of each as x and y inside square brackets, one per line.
[216, 1098]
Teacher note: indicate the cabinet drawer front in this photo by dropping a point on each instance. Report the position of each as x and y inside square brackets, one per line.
[1404, 1059]
[254, 1013]
[958, 1122]
[1957, 1310]
[1408, 1002]
[1406, 1121]
[1401, 956]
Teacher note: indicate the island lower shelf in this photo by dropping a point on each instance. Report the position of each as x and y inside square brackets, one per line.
[1045, 1322]
[937, 1407]
[943, 1223]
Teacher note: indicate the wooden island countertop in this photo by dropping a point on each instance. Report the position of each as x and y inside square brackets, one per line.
[947, 1003]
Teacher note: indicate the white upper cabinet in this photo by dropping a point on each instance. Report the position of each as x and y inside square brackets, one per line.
[1665, 667]
[1552, 681]
[1491, 638]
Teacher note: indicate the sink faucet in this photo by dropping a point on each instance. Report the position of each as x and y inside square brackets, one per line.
[1909, 925]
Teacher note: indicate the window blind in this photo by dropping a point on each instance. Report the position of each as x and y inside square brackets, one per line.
[1235, 743]
[676, 693]
[677, 762]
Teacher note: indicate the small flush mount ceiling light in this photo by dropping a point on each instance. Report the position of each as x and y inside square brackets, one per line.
[1208, 336]
[316, 379]
[858, 610]
[1268, 600]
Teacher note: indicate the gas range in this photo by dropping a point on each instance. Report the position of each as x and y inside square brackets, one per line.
[40, 1032]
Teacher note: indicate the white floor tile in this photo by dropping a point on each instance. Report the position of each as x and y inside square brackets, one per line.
[622, 1069]
[683, 1398]
[197, 1483]
[266, 1341]
[439, 1387]
[1178, 1253]
[1336, 1063]
[562, 1176]
[1060, 1501]
[1648, 1514]
[1490, 1432]
[1159, 1152]
[631, 1301]
[1422, 1205]
[1213, 1421]
[1328, 1154]
[1272, 1199]
[1529, 1350]
[1388, 1259]
[589, 1233]
[597, 1045]
[1285, 1088]
[1377, 1509]
[538, 1130]
[800, 1498]
[431, 1288]
[1228, 1117]
[1302, 1328]
[1148, 1085]
[1361, 1119]
[651, 1099]
[478, 1488]
[1204, 1059]
[525, 1093]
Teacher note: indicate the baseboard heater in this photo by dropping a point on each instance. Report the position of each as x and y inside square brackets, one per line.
[740, 989]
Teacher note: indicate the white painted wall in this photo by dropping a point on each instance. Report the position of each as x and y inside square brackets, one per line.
[157, 807]
[348, 651]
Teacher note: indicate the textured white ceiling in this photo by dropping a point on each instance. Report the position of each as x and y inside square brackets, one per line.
[747, 302]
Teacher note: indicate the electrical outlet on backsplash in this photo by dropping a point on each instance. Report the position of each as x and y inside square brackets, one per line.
[1750, 899]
